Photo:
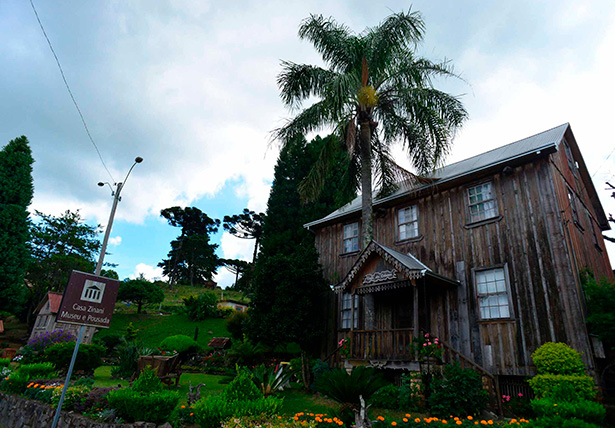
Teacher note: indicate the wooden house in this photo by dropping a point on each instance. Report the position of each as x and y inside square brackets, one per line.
[486, 257]
[235, 305]
[46, 314]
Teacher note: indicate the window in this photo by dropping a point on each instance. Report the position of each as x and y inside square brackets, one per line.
[571, 162]
[573, 206]
[481, 202]
[408, 222]
[351, 237]
[347, 312]
[492, 293]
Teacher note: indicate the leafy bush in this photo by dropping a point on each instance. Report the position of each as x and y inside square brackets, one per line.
[147, 381]
[386, 397]
[88, 359]
[318, 368]
[128, 355]
[14, 384]
[600, 298]
[134, 405]
[270, 379]
[242, 387]
[560, 422]
[558, 359]
[202, 306]
[236, 323]
[346, 388]
[459, 392]
[40, 370]
[4, 362]
[212, 410]
[39, 391]
[411, 391]
[586, 410]
[245, 353]
[95, 399]
[180, 343]
[74, 395]
[39, 343]
[111, 342]
[549, 385]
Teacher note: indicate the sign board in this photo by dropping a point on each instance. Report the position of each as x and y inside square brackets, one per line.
[88, 300]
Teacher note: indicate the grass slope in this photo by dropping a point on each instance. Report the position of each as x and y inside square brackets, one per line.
[154, 328]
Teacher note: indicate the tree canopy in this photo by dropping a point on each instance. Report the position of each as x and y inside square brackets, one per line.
[247, 225]
[290, 296]
[16, 192]
[140, 291]
[192, 258]
[374, 92]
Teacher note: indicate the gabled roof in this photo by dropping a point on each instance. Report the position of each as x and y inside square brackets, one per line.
[407, 264]
[219, 342]
[500, 155]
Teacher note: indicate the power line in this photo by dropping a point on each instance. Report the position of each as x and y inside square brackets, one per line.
[87, 130]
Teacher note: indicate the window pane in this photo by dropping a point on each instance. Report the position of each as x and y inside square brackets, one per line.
[504, 312]
[495, 312]
[401, 216]
[414, 229]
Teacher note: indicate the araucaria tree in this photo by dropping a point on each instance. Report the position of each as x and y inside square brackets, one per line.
[247, 225]
[374, 91]
[16, 191]
[192, 258]
[140, 291]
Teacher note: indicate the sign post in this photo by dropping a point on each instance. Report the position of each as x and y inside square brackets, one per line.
[88, 300]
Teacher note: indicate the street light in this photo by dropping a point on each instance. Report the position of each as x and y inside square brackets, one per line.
[116, 198]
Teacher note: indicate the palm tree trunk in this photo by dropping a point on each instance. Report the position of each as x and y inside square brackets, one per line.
[367, 226]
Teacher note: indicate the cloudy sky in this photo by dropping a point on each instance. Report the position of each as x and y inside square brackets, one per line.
[191, 87]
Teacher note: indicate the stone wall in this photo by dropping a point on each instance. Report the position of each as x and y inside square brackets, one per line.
[19, 412]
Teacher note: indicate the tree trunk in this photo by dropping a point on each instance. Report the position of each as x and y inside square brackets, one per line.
[139, 307]
[366, 183]
[255, 250]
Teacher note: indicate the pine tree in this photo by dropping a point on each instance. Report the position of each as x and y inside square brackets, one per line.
[290, 294]
[16, 190]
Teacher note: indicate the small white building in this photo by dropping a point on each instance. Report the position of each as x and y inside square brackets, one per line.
[47, 312]
[232, 304]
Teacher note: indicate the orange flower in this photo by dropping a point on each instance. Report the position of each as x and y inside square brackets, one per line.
[405, 419]
[380, 418]
[458, 422]
[417, 420]
[191, 414]
[394, 423]
[470, 418]
[183, 407]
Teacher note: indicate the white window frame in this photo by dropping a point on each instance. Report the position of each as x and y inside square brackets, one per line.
[484, 208]
[492, 290]
[409, 223]
[347, 314]
[350, 235]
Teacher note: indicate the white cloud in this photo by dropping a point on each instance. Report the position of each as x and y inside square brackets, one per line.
[149, 272]
[115, 241]
[236, 248]
[224, 278]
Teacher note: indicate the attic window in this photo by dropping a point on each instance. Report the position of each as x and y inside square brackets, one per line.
[573, 206]
[571, 162]
[408, 222]
[351, 237]
[481, 202]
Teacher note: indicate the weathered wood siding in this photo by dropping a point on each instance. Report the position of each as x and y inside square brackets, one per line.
[530, 240]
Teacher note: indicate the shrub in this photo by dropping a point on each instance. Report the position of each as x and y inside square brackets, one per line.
[411, 391]
[318, 368]
[201, 307]
[128, 355]
[236, 323]
[386, 397]
[549, 385]
[74, 395]
[245, 353]
[111, 342]
[94, 400]
[40, 370]
[242, 387]
[586, 410]
[147, 382]
[4, 362]
[39, 391]
[346, 388]
[88, 359]
[559, 422]
[39, 343]
[14, 384]
[459, 392]
[270, 379]
[211, 411]
[558, 359]
[181, 344]
[133, 405]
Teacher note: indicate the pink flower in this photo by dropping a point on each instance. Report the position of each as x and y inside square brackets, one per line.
[436, 340]
[429, 343]
[520, 395]
[426, 334]
[424, 344]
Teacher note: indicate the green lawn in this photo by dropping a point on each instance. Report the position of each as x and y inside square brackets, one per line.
[153, 328]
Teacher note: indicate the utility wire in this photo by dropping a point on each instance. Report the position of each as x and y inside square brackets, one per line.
[87, 130]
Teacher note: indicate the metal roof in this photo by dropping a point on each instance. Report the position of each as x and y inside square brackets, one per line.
[503, 154]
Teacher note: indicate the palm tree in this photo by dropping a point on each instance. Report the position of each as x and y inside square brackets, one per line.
[373, 92]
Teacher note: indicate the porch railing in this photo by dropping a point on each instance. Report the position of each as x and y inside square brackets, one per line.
[392, 345]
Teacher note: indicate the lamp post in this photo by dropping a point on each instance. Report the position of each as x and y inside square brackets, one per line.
[116, 198]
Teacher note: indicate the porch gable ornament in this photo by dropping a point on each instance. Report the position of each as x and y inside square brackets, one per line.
[382, 276]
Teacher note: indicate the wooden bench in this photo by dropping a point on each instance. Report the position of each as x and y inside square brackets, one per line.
[167, 368]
